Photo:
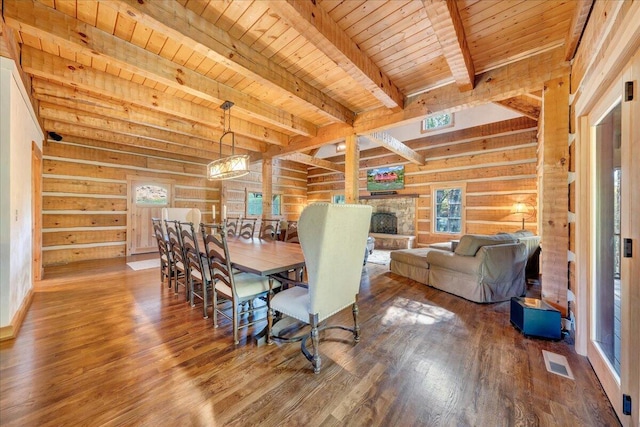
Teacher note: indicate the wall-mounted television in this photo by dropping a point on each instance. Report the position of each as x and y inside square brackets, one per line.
[385, 179]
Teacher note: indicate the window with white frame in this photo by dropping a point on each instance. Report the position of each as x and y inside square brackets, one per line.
[437, 121]
[447, 209]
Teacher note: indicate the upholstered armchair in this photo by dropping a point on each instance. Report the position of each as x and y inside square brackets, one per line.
[333, 239]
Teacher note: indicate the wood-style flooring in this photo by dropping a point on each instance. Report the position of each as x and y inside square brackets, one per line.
[105, 345]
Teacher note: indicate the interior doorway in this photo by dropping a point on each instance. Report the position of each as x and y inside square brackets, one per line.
[146, 198]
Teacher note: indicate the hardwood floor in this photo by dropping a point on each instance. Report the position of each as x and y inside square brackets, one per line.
[106, 345]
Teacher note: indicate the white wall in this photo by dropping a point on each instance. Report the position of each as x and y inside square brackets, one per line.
[463, 119]
[18, 129]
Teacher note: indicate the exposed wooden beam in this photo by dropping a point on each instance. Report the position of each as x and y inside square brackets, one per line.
[447, 24]
[74, 98]
[184, 26]
[78, 132]
[67, 115]
[352, 170]
[312, 161]
[326, 135]
[507, 81]
[578, 22]
[310, 19]
[555, 197]
[395, 145]
[134, 145]
[93, 81]
[9, 48]
[46, 23]
[524, 105]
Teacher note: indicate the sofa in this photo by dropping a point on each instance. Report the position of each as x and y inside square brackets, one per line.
[482, 268]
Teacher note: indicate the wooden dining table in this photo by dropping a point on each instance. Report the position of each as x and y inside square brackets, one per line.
[264, 257]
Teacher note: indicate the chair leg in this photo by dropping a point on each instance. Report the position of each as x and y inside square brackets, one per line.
[269, 311]
[205, 315]
[315, 360]
[235, 321]
[269, 322]
[191, 288]
[356, 326]
[215, 307]
[175, 283]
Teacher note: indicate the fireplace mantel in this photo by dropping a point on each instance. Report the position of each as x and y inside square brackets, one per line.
[388, 196]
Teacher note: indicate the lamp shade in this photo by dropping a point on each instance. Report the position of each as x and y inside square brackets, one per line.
[228, 167]
[520, 208]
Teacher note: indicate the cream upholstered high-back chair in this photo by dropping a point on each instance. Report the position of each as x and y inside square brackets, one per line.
[333, 239]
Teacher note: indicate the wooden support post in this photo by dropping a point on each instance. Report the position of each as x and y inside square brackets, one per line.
[351, 169]
[267, 187]
[555, 193]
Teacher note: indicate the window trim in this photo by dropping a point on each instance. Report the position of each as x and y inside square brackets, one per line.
[463, 204]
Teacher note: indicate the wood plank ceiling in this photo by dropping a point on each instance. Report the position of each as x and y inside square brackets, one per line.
[151, 75]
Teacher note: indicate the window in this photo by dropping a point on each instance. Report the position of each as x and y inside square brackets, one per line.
[152, 195]
[447, 210]
[437, 121]
[254, 204]
[338, 199]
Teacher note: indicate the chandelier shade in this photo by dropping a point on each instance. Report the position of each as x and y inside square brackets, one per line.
[233, 166]
[228, 167]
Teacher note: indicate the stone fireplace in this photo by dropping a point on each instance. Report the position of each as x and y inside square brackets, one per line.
[403, 208]
[392, 221]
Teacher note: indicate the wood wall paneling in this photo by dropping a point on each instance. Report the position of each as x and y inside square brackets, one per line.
[496, 163]
[555, 196]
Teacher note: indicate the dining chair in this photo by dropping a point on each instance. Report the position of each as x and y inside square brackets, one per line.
[291, 235]
[199, 276]
[181, 272]
[166, 260]
[231, 226]
[333, 239]
[232, 289]
[269, 229]
[247, 228]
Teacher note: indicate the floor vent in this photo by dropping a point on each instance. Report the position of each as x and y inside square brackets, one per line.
[557, 364]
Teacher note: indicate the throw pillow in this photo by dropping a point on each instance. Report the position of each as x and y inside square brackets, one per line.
[471, 243]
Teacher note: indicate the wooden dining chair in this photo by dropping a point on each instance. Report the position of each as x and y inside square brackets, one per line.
[199, 276]
[333, 238]
[181, 272]
[247, 228]
[166, 260]
[231, 226]
[291, 235]
[269, 229]
[232, 289]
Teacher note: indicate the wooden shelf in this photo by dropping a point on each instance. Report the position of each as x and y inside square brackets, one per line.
[388, 196]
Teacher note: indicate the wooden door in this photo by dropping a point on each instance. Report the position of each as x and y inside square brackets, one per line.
[147, 197]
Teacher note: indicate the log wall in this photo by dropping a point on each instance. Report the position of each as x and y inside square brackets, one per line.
[85, 194]
[495, 163]
[289, 179]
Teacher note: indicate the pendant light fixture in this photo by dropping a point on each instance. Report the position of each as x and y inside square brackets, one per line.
[233, 166]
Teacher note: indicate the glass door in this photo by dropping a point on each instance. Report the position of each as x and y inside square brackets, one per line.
[613, 341]
[606, 284]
